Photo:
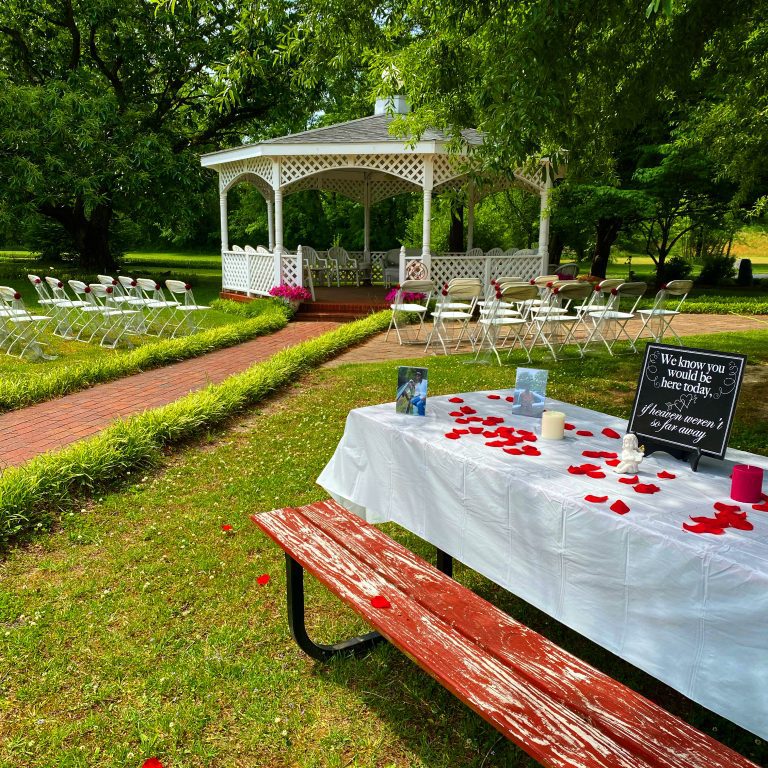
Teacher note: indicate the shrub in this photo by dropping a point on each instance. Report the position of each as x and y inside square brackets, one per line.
[717, 270]
[676, 268]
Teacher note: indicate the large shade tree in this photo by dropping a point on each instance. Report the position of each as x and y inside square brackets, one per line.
[105, 106]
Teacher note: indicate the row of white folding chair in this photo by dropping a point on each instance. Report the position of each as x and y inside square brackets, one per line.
[658, 319]
[20, 329]
[98, 318]
[455, 306]
[406, 302]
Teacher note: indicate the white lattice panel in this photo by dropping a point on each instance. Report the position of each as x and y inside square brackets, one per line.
[533, 179]
[381, 189]
[298, 167]
[351, 188]
[290, 273]
[260, 167]
[234, 271]
[262, 273]
[408, 167]
[447, 267]
[446, 168]
[526, 266]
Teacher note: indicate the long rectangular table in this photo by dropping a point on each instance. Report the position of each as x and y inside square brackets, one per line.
[690, 609]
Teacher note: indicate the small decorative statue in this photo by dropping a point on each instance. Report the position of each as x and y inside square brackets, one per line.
[631, 456]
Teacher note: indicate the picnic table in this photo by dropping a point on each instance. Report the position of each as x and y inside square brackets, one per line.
[624, 564]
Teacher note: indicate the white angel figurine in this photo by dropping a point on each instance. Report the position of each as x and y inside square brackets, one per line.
[631, 456]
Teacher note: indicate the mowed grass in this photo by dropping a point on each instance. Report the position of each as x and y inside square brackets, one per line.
[137, 628]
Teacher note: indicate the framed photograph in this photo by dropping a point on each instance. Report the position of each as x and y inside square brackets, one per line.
[530, 391]
[411, 390]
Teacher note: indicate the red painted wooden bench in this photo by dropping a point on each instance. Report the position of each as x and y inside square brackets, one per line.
[558, 709]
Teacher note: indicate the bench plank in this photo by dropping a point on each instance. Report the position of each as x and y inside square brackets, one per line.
[558, 709]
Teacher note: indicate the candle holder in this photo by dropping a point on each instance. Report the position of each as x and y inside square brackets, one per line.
[747, 484]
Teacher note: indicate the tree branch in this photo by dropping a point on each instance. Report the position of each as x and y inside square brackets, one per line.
[110, 74]
[24, 53]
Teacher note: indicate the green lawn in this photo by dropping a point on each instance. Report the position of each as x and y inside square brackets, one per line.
[137, 628]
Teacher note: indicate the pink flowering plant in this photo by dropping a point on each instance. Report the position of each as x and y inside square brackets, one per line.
[290, 293]
[408, 296]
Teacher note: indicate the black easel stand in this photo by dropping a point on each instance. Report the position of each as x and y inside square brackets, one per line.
[691, 455]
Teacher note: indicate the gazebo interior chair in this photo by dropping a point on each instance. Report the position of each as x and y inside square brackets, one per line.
[658, 319]
[568, 271]
[317, 268]
[412, 297]
[390, 267]
[347, 268]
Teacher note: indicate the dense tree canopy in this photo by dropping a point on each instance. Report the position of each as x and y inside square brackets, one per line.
[105, 106]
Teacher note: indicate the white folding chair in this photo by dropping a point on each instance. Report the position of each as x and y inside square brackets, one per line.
[497, 319]
[610, 322]
[69, 307]
[658, 319]
[58, 313]
[187, 314]
[404, 303]
[117, 322]
[556, 328]
[19, 328]
[459, 293]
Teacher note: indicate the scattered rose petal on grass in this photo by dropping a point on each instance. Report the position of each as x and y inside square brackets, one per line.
[613, 462]
[619, 507]
[494, 397]
[608, 432]
[152, 762]
[629, 480]
[666, 475]
[720, 507]
[455, 400]
[380, 602]
[568, 426]
[584, 433]
[596, 499]
[646, 488]
[263, 579]
[227, 528]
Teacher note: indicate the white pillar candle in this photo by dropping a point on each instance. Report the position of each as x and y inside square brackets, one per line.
[552, 425]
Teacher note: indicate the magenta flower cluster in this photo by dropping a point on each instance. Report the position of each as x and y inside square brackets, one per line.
[290, 292]
[407, 297]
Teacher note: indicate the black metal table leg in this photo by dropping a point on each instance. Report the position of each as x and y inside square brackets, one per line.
[444, 562]
[295, 589]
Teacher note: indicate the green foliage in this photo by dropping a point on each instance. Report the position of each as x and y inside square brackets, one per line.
[18, 393]
[716, 270]
[28, 494]
[249, 308]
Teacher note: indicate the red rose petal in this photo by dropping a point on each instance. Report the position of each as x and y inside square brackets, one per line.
[613, 462]
[497, 444]
[476, 430]
[152, 762]
[629, 480]
[576, 470]
[596, 499]
[226, 527]
[467, 409]
[494, 397]
[666, 475]
[742, 525]
[380, 602]
[569, 426]
[456, 414]
[720, 507]
[646, 488]
[597, 475]
[462, 421]
[513, 451]
[452, 436]
[761, 507]
[609, 455]
[509, 399]
[460, 431]
[608, 432]
[530, 450]
[475, 418]
[455, 400]
[703, 528]
[707, 521]
[592, 454]
[590, 467]
[584, 433]
[490, 434]
[619, 507]
[263, 579]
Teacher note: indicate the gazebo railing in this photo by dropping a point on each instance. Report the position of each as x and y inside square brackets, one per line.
[256, 273]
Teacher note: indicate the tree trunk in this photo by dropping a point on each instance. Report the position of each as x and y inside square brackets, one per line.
[607, 232]
[91, 236]
[456, 232]
[556, 245]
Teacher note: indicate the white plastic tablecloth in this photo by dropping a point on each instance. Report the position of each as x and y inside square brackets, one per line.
[689, 609]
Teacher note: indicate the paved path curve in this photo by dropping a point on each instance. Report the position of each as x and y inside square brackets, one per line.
[56, 423]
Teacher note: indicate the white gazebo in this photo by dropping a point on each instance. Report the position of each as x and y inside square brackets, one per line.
[363, 161]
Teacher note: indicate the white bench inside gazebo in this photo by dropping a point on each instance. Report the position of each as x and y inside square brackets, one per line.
[363, 161]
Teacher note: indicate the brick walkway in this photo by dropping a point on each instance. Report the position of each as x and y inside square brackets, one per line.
[57, 423]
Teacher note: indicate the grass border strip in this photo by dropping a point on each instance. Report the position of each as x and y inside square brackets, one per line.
[16, 394]
[31, 494]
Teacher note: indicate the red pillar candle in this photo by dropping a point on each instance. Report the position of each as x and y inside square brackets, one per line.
[747, 484]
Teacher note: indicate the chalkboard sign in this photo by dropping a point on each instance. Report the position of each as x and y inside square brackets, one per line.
[685, 400]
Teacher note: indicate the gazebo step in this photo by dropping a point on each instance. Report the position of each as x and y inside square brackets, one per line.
[316, 310]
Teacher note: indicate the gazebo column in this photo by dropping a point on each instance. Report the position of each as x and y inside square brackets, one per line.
[367, 218]
[224, 220]
[271, 223]
[278, 249]
[471, 216]
[426, 236]
[544, 219]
